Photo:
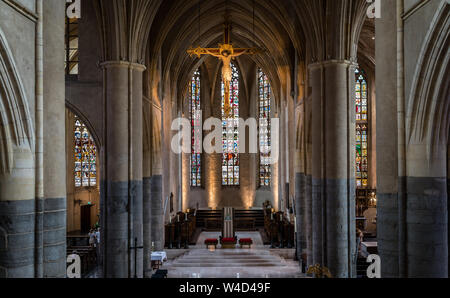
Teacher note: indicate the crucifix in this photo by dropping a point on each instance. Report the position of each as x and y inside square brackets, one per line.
[225, 52]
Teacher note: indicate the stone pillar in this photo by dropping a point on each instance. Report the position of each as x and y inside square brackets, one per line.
[387, 141]
[147, 216]
[54, 207]
[147, 221]
[426, 212]
[303, 185]
[156, 186]
[17, 207]
[157, 220]
[333, 119]
[317, 171]
[123, 174]
[300, 182]
[307, 198]
[299, 212]
[137, 167]
[39, 145]
[282, 187]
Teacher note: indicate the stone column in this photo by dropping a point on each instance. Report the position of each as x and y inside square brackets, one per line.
[333, 119]
[156, 186]
[387, 141]
[17, 207]
[55, 213]
[147, 172]
[317, 194]
[299, 208]
[137, 167]
[303, 183]
[426, 211]
[157, 222]
[123, 174]
[307, 198]
[300, 180]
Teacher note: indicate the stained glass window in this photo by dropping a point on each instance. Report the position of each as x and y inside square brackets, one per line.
[264, 129]
[195, 112]
[85, 156]
[71, 45]
[362, 128]
[230, 140]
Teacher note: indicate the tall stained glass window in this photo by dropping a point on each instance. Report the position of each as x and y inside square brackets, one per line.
[196, 118]
[230, 139]
[362, 128]
[85, 156]
[264, 129]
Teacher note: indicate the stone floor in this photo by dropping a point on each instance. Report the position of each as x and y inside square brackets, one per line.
[199, 262]
[258, 262]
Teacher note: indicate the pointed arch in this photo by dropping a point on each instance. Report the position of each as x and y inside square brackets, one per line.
[16, 127]
[429, 109]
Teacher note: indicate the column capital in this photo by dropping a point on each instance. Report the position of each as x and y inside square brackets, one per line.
[328, 63]
[124, 64]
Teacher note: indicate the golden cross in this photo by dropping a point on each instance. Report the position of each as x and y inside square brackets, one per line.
[225, 52]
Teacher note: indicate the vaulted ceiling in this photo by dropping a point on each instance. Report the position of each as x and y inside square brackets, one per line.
[160, 32]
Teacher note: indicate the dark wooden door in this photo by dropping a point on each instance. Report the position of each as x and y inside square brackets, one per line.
[86, 218]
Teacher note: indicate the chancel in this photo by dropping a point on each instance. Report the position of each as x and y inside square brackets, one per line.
[356, 108]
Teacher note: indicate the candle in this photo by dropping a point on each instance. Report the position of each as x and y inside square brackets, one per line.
[271, 216]
[295, 224]
[170, 219]
[178, 218]
[186, 217]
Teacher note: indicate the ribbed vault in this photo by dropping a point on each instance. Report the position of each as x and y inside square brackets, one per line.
[312, 30]
[177, 27]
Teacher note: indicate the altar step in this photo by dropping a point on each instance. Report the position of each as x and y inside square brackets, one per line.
[230, 264]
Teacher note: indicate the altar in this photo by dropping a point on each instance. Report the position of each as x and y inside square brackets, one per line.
[158, 258]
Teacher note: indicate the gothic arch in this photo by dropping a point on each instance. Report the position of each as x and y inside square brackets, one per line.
[86, 122]
[429, 109]
[16, 128]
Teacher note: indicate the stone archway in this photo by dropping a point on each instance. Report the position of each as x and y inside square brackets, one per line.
[427, 124]
[17, 195]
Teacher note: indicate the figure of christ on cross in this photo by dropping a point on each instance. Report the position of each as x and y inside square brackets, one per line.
[225, 52]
